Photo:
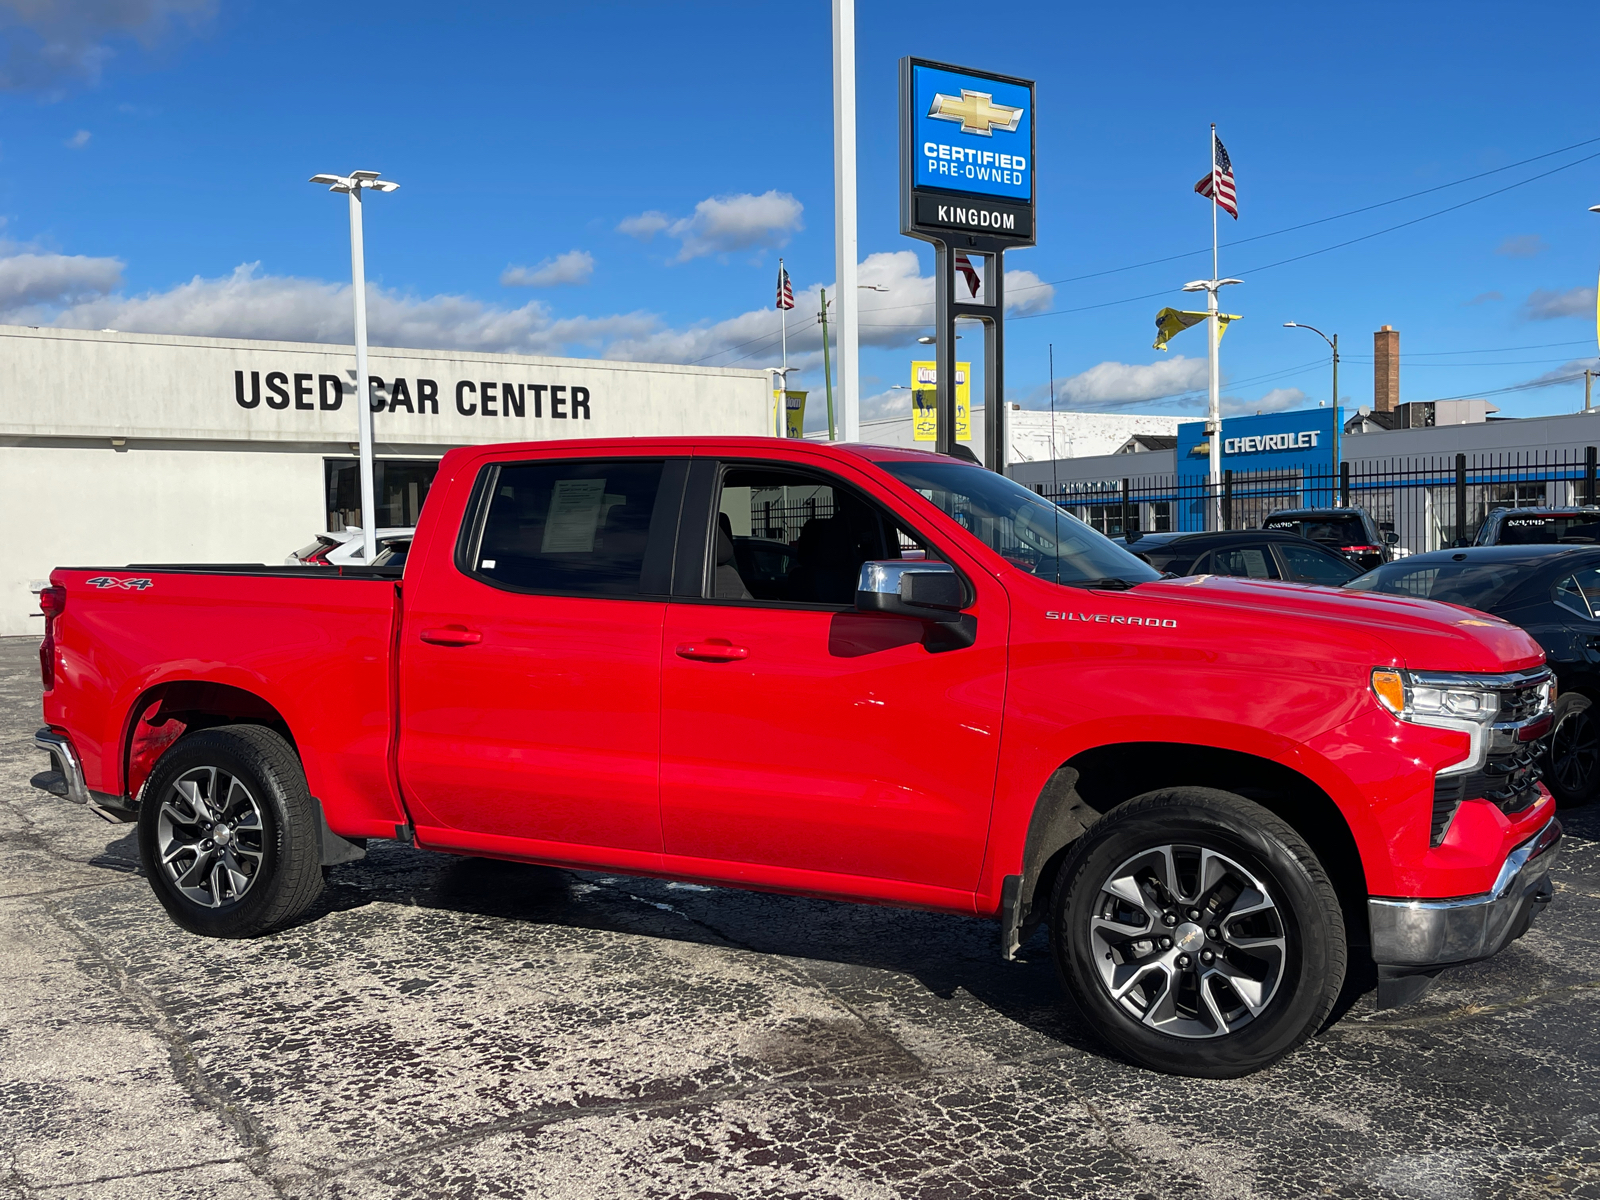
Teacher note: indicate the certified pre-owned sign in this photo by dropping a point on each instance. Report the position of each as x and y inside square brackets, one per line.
[967, 142]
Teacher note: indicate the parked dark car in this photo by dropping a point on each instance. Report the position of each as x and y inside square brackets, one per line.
[1253, 553]
[1350, 531]
[1540, 527]
[1553, 592]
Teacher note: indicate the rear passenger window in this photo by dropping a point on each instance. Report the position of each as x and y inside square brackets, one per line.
[577, 528]
[1249, 561]
[1580, 592]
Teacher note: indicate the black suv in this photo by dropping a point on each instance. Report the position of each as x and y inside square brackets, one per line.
[1349, 531]
[1539, 527]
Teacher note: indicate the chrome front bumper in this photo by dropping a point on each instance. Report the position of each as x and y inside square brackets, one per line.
[1424, 936]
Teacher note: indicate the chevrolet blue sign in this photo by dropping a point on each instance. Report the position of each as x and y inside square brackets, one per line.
[1272, 457]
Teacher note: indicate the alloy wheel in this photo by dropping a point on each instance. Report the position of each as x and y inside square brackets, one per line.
[210, 837]
[1188, 942]
[1575, 752]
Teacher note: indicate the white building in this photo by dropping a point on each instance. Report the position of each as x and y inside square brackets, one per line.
[118, 448]
[1075, 435]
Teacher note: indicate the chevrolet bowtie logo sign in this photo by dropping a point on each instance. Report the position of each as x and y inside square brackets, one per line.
[977, 112]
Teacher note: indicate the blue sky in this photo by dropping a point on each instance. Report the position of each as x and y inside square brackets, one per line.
[620, 179]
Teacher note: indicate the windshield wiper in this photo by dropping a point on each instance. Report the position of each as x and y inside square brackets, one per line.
[1110, 583]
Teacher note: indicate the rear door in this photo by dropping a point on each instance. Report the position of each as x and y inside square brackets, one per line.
[530, 665]
[799, 735]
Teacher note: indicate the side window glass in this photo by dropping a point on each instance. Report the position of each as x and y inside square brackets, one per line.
[1573, 594]
[569, 527]
[1249, 561]
[793, 537]
[1306, 565]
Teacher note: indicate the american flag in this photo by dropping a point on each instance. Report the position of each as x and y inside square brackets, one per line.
[785, 289]
[1220, 182]
[969, 272]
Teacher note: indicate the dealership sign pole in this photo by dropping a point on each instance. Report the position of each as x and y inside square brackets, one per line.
[352, 185]
[966, 185]
[844, 214]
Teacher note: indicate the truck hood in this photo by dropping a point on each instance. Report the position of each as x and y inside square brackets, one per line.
[1423, 635]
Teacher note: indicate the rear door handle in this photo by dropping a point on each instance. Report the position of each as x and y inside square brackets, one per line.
[452, 635]
[712, 650]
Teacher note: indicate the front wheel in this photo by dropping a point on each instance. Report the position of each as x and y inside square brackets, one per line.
[1198, 933]
[228, 833]
[1572, 771]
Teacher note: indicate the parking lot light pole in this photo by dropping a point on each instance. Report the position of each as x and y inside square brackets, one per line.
[352, 185]
[1333, 344]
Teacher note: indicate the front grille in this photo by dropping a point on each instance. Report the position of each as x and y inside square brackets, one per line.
[1509, 780]
[1520, 703]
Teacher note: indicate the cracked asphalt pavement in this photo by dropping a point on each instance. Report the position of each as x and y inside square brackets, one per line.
[467, 1028]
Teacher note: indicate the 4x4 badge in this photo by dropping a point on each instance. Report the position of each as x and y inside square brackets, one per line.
[108, 581]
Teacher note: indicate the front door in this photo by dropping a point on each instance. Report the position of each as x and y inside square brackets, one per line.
[801, 735]
[530, 670]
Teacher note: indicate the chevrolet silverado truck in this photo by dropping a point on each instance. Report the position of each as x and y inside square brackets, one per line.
[863, 673]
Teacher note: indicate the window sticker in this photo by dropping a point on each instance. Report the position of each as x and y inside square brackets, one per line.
[569, 528]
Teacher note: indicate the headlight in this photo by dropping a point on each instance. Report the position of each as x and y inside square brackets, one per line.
[1468, 704]
[1415, 696]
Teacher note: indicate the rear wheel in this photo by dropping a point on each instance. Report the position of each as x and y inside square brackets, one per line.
[1572, 770]
[228, 833]
[1198, 933]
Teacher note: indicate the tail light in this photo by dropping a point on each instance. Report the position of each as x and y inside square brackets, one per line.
[52, 603]
[1360, 549]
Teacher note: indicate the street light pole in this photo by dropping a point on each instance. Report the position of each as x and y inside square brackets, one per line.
[1333, 344]
[352, 185]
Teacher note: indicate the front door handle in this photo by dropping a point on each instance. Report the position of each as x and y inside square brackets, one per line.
[452, 635]
[712, 650]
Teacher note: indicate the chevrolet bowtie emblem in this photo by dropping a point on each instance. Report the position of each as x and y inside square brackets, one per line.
[977, 112]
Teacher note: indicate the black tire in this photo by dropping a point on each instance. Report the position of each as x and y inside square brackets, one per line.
[240, 879]
[1572, 765]
[1301, 965]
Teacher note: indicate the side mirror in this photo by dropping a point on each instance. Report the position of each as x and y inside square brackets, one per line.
[926, 589]
[1391, 539]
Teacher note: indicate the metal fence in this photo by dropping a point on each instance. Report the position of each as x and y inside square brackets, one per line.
[1428, 503]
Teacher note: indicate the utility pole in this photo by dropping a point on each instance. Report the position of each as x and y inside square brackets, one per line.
[1588, 384]
[827, 371]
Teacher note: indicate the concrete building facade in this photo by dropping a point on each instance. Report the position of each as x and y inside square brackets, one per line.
[119, 448]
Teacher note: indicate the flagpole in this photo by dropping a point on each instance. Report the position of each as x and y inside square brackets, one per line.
[1214, 409]
[783, 326]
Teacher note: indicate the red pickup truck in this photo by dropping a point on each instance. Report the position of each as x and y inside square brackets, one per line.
[856, 672]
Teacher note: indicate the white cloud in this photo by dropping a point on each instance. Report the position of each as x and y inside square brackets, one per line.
[82, 292]
[575, 266]
[46, 44]
[644, 226]
[891, 318]
[78, 140]
[1523, 245]
[724, 224]
[1543, 305]
[53, 279]
[1277, 400]
[1566, 373]
[1482, 298]
[1114, 385]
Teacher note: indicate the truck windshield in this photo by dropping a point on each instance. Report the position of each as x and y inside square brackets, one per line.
[1026, 529]
[1479, 585]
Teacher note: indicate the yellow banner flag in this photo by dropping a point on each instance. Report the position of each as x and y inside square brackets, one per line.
[1170, 322]
[794, 412]
[924, 402]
